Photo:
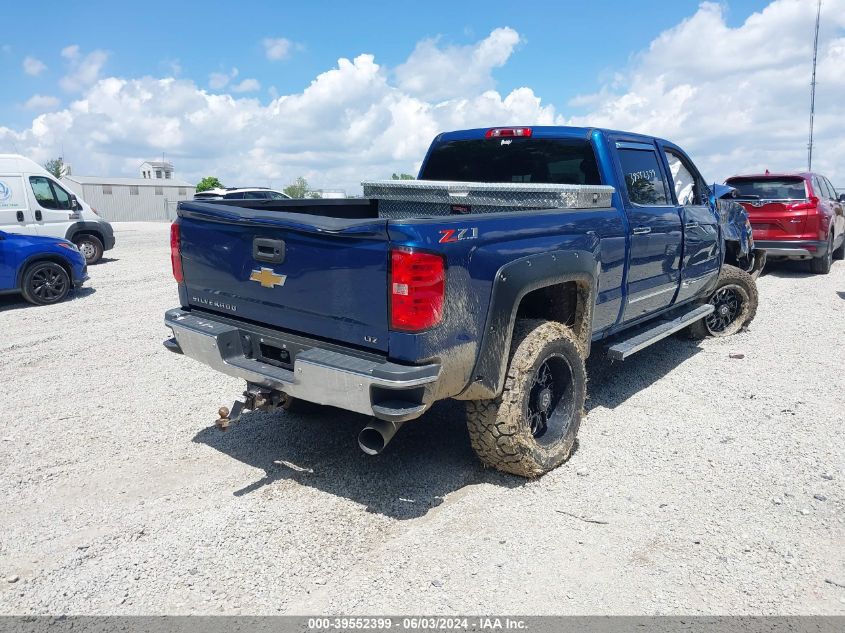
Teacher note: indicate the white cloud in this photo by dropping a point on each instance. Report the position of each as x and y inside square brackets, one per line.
[732, 110]
[435, 73]
[33, 66]
[83, 70]
[217, 81]
[737, 98]
[41, 102]
[70, 52]
[247, 85]
[352, 122]
[276, 48]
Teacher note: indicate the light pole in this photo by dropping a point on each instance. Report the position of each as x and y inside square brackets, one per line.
[813, 89]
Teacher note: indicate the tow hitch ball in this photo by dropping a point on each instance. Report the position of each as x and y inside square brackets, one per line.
[255, 399]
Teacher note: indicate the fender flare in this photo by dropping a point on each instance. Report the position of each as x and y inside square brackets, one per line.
[513, 281]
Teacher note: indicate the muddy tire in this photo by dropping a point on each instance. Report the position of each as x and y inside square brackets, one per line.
[530, 429]
[735, 299]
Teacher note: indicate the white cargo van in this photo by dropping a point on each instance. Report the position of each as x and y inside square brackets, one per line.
[32, 202]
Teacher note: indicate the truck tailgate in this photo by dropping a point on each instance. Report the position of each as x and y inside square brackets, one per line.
[325, 277]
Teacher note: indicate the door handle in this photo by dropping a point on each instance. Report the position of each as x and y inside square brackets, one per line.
[38, 215]
[642, 230]
[19, 215]
[691, 225]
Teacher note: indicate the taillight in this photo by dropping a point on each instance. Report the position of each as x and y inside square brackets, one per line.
[176, 253]
[417, 289]
[496, 132]
[805, 205]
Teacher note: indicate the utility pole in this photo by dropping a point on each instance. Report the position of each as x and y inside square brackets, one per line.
[813, 89]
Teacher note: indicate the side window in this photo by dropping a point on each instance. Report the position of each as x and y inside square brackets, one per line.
[62, 197]
[819, 189]
[688, 186]
[234, 196]
[833, 194]
[273, 195]
[643, 177]
[43, 192]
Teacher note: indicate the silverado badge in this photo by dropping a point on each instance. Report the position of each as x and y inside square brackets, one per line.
[267, 278]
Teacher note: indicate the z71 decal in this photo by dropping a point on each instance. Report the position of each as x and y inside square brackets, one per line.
[457, 235]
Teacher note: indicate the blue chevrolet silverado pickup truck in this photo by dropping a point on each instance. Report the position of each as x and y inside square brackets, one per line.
[488, 280]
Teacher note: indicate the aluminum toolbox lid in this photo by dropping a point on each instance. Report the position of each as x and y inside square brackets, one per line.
[506, 194]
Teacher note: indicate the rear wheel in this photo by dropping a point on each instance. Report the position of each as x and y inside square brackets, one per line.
[530, 429]
[91, 248]
[734, 304]
[45, 283]
[821, 265]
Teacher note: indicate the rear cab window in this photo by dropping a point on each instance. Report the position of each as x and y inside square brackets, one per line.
[538, 160]
[769, 188]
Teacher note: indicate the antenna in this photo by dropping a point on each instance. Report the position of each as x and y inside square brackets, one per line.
[813, 89]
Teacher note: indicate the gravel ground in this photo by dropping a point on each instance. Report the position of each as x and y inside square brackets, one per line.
[715, 483]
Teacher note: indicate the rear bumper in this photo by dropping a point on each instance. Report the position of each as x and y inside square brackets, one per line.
[797, 249]
[303, 368]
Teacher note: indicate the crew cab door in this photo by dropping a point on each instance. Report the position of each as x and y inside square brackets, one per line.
[656, 233]
[15, 214]
[701, 255]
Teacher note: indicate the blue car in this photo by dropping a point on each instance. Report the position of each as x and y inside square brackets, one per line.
[42, 269]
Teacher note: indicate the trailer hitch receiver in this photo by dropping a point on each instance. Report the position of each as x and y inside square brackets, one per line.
[256, 398]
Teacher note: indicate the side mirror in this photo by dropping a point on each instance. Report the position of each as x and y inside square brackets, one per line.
[842, 197]
[74, 203]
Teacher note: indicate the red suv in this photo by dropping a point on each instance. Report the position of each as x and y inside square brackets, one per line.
[797, 215]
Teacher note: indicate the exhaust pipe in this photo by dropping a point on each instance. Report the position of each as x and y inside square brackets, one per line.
[376, 435]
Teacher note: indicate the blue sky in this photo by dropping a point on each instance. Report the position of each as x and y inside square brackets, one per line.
[568, 47]
[263, 92]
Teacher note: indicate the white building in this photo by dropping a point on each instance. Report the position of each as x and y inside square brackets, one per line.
[157, 169]
[117, 199]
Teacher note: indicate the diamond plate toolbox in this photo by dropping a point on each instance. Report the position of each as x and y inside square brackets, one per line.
[414, 198]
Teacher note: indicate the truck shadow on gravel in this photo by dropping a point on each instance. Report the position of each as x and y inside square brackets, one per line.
[611, 383]
[428, 459]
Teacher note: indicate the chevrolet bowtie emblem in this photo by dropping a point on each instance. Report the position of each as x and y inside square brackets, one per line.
[267, 278]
